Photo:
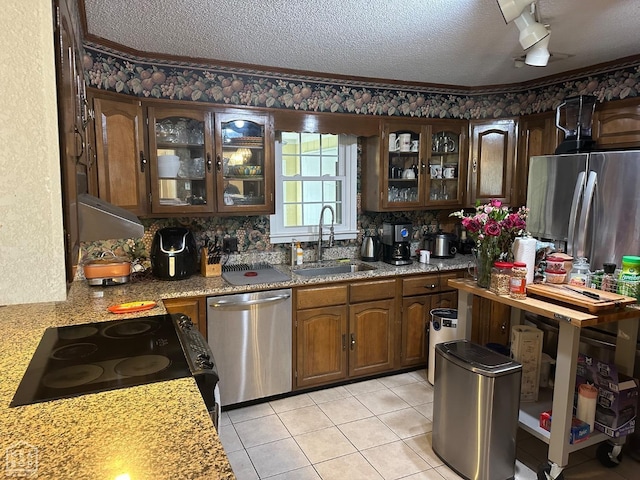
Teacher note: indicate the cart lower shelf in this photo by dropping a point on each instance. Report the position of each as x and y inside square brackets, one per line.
[529, 421]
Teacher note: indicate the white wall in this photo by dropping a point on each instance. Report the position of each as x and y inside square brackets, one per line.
[31, 233]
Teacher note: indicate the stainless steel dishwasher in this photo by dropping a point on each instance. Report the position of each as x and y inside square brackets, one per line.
[250, 336]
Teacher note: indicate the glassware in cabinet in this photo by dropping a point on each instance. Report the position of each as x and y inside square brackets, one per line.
[403, 167]
[243, 163]
[181, 179]
[444, 168]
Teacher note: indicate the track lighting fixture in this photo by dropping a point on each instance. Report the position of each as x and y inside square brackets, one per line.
[511, 9]
[531, 32]
[538, 55]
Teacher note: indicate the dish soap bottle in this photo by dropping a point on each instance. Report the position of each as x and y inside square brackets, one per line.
[299, 254]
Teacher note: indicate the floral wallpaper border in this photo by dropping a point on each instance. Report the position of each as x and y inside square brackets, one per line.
[110, 70]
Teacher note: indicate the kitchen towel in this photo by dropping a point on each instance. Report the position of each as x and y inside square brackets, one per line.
[524, 250]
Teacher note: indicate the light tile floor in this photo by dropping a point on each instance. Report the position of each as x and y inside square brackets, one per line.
[374, 429]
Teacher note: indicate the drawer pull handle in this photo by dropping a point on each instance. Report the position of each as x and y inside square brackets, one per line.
[353, 341]
[344, 342]
[431, 287]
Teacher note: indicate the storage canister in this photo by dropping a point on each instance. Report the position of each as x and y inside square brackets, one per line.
[629, 276]
[579, 272]
[500, 276]
[518, 281]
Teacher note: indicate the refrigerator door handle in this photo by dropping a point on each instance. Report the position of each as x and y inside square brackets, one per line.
[585, 213]
[574, 213]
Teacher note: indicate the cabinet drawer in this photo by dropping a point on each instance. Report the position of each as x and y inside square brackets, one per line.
[321, 296]
[376, 290]
[427, 284]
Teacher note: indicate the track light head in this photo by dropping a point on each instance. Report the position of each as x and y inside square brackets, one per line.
[511, 9]
[531, 32]
[538, 55]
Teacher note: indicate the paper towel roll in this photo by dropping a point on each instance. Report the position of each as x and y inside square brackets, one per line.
[524, 250]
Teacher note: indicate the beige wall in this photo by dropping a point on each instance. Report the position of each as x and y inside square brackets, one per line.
[31, 233]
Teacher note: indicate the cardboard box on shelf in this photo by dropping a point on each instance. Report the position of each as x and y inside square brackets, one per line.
[617, 400]
[526, 348]
[579, 430]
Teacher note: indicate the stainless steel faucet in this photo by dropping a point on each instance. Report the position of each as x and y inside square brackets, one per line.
[331, 235]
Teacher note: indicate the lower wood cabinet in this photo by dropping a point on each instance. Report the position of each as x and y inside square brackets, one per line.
[371, 327]
[491, 322]
[416, 307]
[344, 331]
[363, 328]
[320, 333]
[194, 307]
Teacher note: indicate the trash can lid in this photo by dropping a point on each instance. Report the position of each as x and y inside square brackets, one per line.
[477, 358]
[451, 313]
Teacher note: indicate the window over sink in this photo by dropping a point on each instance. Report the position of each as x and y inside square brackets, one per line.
[314, 170]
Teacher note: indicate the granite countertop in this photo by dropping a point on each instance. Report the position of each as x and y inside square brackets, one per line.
[155, 431]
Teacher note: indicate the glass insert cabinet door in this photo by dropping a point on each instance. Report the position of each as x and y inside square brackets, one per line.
[444, 168]
[243, 170]
[403, 175]
[181, 179]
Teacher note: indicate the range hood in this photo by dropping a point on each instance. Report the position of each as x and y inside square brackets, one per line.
[100, 220]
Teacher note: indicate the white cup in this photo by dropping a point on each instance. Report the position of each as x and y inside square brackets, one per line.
[393, 142]
[448, 172]
[436, 171]
[425, 256]
[405, 142]
[414, 146]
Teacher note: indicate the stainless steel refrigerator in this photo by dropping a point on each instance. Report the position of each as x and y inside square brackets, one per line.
[591, 201]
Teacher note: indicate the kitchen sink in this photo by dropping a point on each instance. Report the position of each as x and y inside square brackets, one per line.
[333, 269]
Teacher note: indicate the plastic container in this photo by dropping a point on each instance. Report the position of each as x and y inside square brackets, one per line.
[579, 272]
[629, 276]
[586, 408]
[554, 264]
[556, 277]
[518, 281]
[500, 278]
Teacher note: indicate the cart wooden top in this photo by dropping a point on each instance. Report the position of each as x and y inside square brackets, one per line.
[547, 309]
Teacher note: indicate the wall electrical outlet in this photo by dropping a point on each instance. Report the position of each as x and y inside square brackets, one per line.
[230, 245]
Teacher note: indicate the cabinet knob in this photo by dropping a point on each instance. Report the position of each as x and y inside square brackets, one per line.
[209, 163]
[503, 327]
[353, 341]
[143, 161]
[344, 342]
[474, 165]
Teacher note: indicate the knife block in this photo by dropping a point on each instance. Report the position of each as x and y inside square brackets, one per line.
[209, 269]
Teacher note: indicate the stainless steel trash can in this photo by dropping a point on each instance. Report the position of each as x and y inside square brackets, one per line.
[475, 410]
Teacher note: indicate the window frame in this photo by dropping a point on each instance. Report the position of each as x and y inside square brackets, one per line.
[348, 160]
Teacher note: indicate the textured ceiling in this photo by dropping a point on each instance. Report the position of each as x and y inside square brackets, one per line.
[452, 42]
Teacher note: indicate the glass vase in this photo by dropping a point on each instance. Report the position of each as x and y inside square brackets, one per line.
[484, 259]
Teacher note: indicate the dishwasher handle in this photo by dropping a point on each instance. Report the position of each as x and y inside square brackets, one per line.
[243, 303]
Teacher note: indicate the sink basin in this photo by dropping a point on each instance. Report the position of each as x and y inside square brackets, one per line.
[333, 269]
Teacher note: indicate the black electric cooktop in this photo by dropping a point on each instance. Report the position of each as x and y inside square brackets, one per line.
[93, 357]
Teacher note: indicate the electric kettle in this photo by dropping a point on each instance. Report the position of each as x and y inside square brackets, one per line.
[370, 250]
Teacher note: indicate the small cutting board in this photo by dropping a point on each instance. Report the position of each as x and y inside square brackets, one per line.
[558, 293]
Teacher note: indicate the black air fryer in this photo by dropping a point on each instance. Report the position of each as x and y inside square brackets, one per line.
[174, 254]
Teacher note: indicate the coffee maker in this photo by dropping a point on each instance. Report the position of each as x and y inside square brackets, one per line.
[577, 113]
[396, 242]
